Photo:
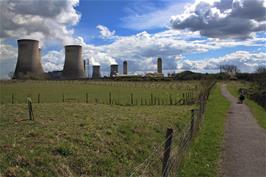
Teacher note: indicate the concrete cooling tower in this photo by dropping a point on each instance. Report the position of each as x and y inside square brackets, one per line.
[114, 70]
[125, 67]
[96, 73]
[29, 60]
[159, 66]
[74, 66]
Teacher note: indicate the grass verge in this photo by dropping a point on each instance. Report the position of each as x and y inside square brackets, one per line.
[257, 110]
[203, 156]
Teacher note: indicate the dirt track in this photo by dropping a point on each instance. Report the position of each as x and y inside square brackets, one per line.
[244, 151]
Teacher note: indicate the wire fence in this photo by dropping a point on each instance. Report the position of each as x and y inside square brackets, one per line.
[131, 99]
[166, 159]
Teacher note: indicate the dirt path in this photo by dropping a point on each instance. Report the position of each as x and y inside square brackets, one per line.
[244, 153]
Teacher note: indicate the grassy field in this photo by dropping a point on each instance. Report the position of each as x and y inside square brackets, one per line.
[80, 91]
[74, 139]
[257, 110]
[203, 157]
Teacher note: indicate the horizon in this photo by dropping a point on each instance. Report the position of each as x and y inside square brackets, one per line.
[198, 36]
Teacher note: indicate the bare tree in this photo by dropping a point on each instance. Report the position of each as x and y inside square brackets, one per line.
[229, 69]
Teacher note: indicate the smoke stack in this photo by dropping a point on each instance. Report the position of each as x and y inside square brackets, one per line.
[29, 59]
[74, 66]
[114, 70]
[96, 74]
[125, 67]
[159, 66]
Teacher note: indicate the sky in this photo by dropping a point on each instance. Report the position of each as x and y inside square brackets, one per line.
[196, 35]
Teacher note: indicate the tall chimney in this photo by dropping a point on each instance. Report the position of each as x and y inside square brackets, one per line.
[74, 66]
[96, 73]
[29, 59]
[159, 66]
[114, 70]
[125, 67]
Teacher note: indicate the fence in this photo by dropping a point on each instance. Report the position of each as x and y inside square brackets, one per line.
[170, 153]
[186, 98]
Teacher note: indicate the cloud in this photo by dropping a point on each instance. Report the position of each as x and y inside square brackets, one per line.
[38, 19]
[223, 18]
[147, 16]
[244, 60]
[8, 56]
[105, 32]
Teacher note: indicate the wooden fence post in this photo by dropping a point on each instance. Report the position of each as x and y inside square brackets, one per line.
[110, 98]
[87, 98]
[192, 124]
[63, 98]
[151, 99]
[12, 98]
[39, 98]
[167, 151]
[131, 99]
[31, 116]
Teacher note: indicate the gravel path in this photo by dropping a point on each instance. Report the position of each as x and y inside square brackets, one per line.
[244, 151]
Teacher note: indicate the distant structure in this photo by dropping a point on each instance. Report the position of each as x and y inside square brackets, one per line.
[114, 70]
[125, 67]
[96, 73]
[74, 66]
[159, 66]
[29, 60]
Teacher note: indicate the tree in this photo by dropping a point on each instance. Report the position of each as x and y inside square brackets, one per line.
[229, 69]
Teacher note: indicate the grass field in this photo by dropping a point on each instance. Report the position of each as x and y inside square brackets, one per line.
[80, 91]
[74, 139]
[257, 110]
[203, 157]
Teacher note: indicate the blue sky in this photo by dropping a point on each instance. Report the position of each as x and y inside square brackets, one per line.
[189, 35]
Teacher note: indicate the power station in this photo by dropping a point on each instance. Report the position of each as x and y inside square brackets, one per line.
[159, 66]
[74, 66]
[96, 73]
[125, 67]
[29, 64]
[114, 70]
[29, 59]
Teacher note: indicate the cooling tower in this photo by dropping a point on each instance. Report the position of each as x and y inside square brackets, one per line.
[114, 70]
[29, 59]
[159, 66]
[125, 67]
[74, 66]
[96, 73]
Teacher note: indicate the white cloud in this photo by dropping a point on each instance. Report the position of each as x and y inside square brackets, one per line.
[142, 50]
[223, 18]
[8, 56]
[145, 16]
[244, 60]
[105, 32]
[38, 19]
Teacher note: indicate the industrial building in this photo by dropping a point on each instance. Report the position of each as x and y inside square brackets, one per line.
[29, 60]
[29, 64]
[96, 72]
[113, 70]
[125, 67]
[74, 66]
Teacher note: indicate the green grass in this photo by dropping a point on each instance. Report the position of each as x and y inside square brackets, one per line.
[258, 112]
[52, 91]
[74, 139]
[203, 157]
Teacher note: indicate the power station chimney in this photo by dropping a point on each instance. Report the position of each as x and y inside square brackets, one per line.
[29, 59]
[96, 74]
[74, 66]
[159, 66]
[125, 67]
[114, 70]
